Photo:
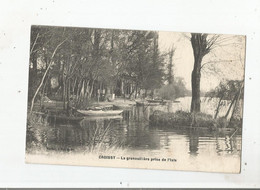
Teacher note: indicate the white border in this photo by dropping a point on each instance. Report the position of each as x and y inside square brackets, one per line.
[211, 16]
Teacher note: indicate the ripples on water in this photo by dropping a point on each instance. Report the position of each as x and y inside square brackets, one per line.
[132, 132]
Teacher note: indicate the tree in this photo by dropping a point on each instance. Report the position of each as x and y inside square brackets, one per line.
[201, 45]
[226, 49]
[141, 60]
[84, 61]
[169, 75]
[231, 91]
[172, 91]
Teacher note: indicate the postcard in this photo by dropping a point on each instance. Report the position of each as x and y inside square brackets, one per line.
[135, 99]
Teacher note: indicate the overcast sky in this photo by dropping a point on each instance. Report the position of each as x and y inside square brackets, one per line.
[227, 59]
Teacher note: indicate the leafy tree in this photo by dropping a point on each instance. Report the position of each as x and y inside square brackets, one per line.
[175, 90]
[205, 44]
[231, 90]
[85, 60]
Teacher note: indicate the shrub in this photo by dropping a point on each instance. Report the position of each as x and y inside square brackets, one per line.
[172, 91]
[163, 119]
[204, 120]
[181, 118]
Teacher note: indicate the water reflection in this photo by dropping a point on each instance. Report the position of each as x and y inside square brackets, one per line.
[131, 131]
[193, 142]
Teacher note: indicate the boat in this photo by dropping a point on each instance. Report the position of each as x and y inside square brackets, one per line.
[104, 117]
[155, 101]
[101, 107]
[146, 103]
[64, 119]
[100, 112]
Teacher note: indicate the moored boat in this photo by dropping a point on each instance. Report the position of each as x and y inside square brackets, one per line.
[155, 101]
[146, 103]
[101, 107]
[100, 112]
[104, 117]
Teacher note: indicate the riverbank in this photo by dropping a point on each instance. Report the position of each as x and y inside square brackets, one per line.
[58, 106]
[184, 119]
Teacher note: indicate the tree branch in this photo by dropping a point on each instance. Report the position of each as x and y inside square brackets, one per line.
[34, 43]
[39, 87]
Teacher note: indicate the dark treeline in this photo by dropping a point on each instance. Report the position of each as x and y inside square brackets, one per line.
[83, 63]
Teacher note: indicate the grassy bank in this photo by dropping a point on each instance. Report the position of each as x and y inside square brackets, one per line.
[186, 119]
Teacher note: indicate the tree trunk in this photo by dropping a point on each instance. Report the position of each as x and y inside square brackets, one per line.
[64, 94]
[78, 90]
[195, 82]
[217, 110]
[236, 101]
[230, 106]
[201, 47]
[91, 89]
[81, 94]
[68, 96]
[43, 90]
[34, 62]
[74, 86]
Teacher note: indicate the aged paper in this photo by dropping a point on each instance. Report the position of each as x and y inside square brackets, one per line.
[135, 99]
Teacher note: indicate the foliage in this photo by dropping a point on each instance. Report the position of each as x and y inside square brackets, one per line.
[226, 90]
[232, 91]
[172, 91]
[202, 45]
[187, 119]
[177, 119]
[85, 61]
[33, 139]
[204, 120]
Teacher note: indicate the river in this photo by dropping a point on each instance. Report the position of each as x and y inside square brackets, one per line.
[131, 134]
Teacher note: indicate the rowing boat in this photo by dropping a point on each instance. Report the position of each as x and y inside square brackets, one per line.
[104, 117]
[100, 112]
[155, 101]
[145, 103]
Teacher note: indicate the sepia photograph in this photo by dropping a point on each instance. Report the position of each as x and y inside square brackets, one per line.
[135, 99]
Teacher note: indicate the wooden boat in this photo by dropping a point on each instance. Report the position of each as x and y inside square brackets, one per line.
[101, 107]
[107, 117]
[63, 119]
[145, 103]
[155, 101]
[100, 112]
[161, 101]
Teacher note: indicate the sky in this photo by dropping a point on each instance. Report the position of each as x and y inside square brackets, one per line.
[226, 60]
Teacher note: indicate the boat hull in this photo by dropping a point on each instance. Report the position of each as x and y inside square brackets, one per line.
[100, 112]
[147, 104]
